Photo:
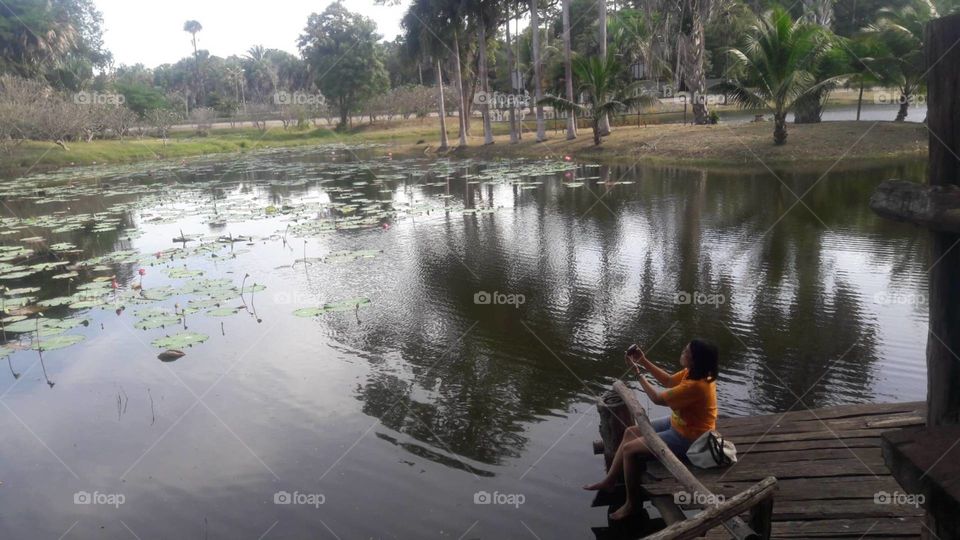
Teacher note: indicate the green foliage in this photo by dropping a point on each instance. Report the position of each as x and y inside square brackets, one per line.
[777, 59]
[603, 81]
[141, 98]
[344, 58]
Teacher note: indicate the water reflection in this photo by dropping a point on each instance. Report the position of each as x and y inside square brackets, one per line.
[430, 392]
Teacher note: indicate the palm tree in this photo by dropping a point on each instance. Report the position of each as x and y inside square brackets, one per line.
[776, 59]
[863, 64]
[193, 28]
[537, 68]
[486, 13]
[901, 33]
[568, 70]
[602, 40]
[602, 79]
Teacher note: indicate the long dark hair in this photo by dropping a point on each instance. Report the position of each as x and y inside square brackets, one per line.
[704, 360]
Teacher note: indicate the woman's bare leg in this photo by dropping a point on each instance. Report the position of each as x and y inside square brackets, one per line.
[616, 465]
[632, 470]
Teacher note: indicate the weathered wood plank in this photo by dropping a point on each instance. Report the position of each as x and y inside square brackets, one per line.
[843, 424]
[758, 471]
[715, 515]
[808, 436]
[847, 528]
[829, 413]
[866, 454]
[797, 489]
[863, 442]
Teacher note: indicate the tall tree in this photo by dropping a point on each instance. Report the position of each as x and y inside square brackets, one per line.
[345, 60]
[776, 60]
[568, 70]
[901, 33]
[537, 68]
[691, 44]
[602, 40]
[193, 28]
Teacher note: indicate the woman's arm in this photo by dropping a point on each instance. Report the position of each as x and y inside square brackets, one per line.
[651, 391]
[658, 373]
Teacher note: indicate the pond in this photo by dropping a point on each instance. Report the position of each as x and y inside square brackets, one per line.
[372, 344]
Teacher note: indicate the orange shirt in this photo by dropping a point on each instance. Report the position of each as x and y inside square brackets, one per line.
[694, 405]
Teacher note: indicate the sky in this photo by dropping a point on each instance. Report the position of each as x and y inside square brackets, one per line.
[151, 33]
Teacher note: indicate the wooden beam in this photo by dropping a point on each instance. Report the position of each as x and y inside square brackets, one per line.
[736, 526]
[943, 114]
[715, 515]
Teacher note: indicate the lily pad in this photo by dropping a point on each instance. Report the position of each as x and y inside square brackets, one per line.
[182, 339]
[57, 342]
[345, 305]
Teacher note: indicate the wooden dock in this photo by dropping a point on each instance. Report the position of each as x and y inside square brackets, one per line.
[828, 466]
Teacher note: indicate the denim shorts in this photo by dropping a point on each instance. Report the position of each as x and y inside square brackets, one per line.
[677, 443]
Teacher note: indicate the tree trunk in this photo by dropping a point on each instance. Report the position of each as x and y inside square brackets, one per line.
[596, 132]
[693, 76]
[808, 109]
[779, 128]
[537, 85]
[904, 103]
[462, 107]
[484, 82]
[860, 99]
[568, 70]
[511, 69]
[602, 39]
[444, 143]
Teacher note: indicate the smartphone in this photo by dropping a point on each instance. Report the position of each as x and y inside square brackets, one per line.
[633, 350]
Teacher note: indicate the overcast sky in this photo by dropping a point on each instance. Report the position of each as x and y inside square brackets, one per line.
[152, 33]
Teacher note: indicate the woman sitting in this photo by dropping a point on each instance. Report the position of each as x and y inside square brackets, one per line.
[692, 395]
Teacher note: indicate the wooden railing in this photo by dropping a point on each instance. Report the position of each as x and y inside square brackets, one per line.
[758, 499]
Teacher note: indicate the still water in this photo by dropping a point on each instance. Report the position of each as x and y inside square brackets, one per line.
[374, 344]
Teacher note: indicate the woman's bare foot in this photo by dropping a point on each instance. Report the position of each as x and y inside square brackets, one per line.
[603, 485]
[624, 512]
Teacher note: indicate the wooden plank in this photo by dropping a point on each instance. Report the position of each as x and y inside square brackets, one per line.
[797, 489]
[864, 442]
[828, 413]
[844, 424]
[715, 515]
[669, 511]
[809, 436]
[847, 528]
[668, 461]
[866, 454]
[758, 471]
[841, 509]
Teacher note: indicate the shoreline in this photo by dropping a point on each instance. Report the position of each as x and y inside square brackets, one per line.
[840, 145]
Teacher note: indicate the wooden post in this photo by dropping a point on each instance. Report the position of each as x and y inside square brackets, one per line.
[761, 518]
[614, 419]
[943, 120]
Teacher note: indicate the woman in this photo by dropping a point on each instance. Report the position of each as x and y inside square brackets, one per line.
[692, 395]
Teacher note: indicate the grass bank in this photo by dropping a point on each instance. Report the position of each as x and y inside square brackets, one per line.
[736, 145]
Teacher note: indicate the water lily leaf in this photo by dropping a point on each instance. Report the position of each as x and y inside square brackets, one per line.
[344, 305]
[57, 342]
[66, 275]
[22, 290]
[158, 321]
[178, 273]
[182, 339]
